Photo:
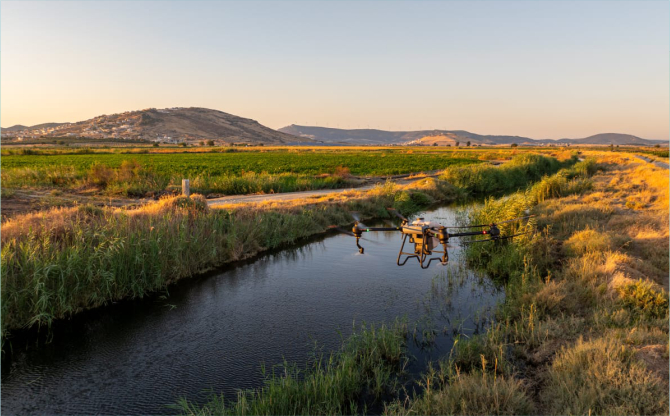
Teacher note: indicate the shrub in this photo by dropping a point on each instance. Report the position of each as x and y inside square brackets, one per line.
[643, 299]
[100, 174]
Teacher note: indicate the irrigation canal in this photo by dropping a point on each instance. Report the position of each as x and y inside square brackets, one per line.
[211, 333]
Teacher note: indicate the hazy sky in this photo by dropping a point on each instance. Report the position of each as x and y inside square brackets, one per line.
[538, 69]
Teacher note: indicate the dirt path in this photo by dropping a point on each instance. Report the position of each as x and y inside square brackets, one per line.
[288, 196]
[655, 162]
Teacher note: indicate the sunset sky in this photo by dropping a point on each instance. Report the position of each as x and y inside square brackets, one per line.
[536, 69]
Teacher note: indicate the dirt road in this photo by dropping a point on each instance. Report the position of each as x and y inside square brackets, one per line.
[655, 162]
[287, 196]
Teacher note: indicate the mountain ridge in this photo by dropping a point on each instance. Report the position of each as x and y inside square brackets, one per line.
[449, 137]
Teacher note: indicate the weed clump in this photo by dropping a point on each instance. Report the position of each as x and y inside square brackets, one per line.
[643, 298]
[602, 376]
[587, 241]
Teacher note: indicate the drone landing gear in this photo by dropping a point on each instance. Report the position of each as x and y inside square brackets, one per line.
[360, 249]
[422, 249]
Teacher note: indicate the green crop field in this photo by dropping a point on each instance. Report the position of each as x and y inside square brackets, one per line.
[227, 172]
[386, 162]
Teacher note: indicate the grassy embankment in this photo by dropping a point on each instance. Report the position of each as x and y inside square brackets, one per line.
[584, 327]
[60, 262]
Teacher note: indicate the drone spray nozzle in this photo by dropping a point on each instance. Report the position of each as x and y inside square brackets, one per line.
[494, 231]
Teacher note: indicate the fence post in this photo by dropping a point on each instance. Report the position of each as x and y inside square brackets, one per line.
[185, 188]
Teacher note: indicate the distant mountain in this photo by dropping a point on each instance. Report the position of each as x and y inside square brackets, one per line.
[448, 137]
[612, 138]
[17, 127]
[340, 136]
[168, 125]
[382, 137]
[20, 127]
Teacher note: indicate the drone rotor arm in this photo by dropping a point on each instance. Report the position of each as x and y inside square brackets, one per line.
[368, 229]
[496, 239]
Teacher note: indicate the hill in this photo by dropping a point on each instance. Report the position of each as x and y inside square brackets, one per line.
[449, 137]
[172, 125]
[382, 137]
[613, 138]
[17, 127]
[341, 136]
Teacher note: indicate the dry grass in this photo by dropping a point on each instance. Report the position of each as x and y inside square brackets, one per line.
[602, 376]
[469, 394]
[585, 321]
[614, 275]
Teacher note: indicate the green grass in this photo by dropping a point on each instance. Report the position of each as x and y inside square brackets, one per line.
[231, 173]
[662, 154]
[192, 165]
[486, 180]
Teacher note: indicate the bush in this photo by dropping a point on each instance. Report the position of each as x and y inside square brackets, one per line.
[642, 299]
[100, 174]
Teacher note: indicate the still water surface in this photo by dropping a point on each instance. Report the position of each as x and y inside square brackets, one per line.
[213, 332]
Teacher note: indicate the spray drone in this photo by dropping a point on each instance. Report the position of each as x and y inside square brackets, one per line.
[426, 236]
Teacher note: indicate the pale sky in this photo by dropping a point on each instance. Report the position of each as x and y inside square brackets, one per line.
[537, 69]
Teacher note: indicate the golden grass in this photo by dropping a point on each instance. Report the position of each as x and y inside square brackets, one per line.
[586, 310]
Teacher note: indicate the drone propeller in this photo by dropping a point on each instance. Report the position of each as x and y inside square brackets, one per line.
[388, 223]
[397, 214]
[496, 223]
[342, 230]
[347, 232]
[357, 217]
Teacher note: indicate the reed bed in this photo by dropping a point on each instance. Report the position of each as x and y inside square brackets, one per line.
[521, 170]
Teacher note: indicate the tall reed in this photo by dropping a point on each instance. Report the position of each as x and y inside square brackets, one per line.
[485, 180]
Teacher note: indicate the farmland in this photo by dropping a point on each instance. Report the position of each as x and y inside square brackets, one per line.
[35, 179]
[375, 162]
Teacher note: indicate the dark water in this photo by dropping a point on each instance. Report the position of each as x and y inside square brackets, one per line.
[213, 332]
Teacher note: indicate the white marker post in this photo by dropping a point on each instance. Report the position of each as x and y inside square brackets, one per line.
[185, 188]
